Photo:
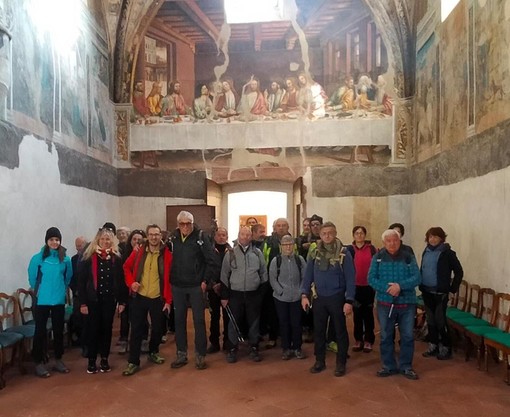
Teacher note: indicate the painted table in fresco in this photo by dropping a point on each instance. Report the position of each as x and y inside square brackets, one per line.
[263, 134]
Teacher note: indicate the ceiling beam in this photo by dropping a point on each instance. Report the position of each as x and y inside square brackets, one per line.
[161, 26]
[257, 36]
[196, 14]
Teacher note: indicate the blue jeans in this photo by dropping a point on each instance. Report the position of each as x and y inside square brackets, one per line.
[404, 317]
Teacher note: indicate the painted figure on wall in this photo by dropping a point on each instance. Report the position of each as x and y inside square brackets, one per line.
[311, 96]
[139, 103]
[174, 103]
[289, 101]
[344, 97]
[202, 105]
[252, 100]
[226, 101]
[154, 99]
[274, 97]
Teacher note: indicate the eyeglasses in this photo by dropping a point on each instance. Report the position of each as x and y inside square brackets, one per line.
[187, 224]
[108, 229]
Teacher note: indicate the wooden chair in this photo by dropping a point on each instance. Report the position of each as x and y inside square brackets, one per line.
[23, 326]
[474, 334]
[26, 302]
[10, 342]
[500, 341]
[458, 302]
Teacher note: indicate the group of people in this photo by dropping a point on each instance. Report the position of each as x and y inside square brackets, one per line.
[298, 94]
[275, 286]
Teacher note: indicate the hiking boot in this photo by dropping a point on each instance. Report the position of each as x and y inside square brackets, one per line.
[182, 359]
[213, 349]
[131, 369]
[286, 355]
[156, 358]
[200, 362]
[332, 347]
[104, 366]
[270, 344]
[383, 373]
[298, 353]
[60, 367]
[317, 367]
[232, 356]
[409, 374]
[432, 350]
[41, 371]
[254, 354]
[444, 353]
[340, 369]
[358, 346]
[92, 368]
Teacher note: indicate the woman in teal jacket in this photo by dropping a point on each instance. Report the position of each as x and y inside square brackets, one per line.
[49, 274]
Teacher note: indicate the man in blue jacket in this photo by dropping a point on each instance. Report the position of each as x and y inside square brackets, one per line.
[394, 275]
[331, 270]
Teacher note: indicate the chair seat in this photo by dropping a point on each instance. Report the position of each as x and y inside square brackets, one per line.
[470, 321]
[455, 312]
[26, 330]
[502, 338]
[8, 339]
[483, 330]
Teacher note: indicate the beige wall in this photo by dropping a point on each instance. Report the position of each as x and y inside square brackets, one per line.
[474, 213]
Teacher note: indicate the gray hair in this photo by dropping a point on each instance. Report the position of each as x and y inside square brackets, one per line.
[390, 232]
[287, 239]
[185, 215]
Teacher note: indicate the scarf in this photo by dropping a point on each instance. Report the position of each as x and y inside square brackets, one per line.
[329, 254]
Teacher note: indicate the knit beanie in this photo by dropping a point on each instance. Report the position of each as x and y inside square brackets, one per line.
[110, 226]
[52, 232]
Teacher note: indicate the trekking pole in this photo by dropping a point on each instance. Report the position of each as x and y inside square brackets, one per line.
[234, 323]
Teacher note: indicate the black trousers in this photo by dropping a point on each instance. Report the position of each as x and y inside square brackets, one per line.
[435, 311]
[289, 316]
[330, 307]
[245, 305]
[40, 346]
[139, 308]
[364, 314]
[217, 312]
[268, 316]
[100, 323]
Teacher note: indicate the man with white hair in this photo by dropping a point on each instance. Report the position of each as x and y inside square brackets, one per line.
[192, 268]
[394, 275]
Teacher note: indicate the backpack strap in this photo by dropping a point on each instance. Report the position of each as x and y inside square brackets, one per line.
[279, 264]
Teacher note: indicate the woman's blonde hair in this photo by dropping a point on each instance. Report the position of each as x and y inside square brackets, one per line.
[92, 247]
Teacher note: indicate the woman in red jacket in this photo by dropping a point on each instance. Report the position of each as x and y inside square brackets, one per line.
[362, 251]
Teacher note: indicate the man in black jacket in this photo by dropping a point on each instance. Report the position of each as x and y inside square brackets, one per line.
[192, 266]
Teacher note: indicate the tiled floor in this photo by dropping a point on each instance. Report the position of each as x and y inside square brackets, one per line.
[269, 388]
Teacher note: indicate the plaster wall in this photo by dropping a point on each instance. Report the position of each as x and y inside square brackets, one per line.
[32, 199]
[138, 212]
[474, 215]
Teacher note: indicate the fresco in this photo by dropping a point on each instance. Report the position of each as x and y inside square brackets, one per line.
[66, 91]
[492, 51]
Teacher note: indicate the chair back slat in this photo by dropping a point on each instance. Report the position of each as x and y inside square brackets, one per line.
[501, 312]
[461, 296]
[473, 303]
[26, 300]
[7, 311]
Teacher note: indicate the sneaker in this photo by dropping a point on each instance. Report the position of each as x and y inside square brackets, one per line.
[131, 369]
[60, 367]
[156, 358]
[286, 355]
[358, 347]
[432, 350]
[340, 369]
[213, 349]
[254, 354]
[104, 366]
[444, 353]
[298, 353]
[92, 368]
[145, 346]
[383, 373]
[181, 360]
[123, 346]
[367, 347]
[332, 347]
[409, 374]
[41, 371]
[317, 367]
[232, 356]
[200, 362]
